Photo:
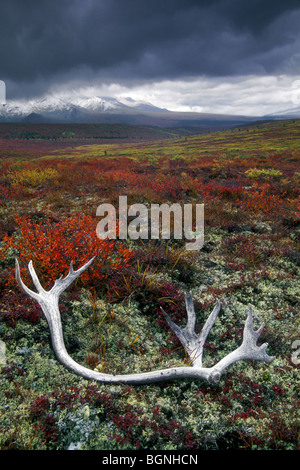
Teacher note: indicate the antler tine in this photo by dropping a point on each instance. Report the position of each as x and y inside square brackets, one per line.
[191, 320]
[62, 284]
[26, 289]
[210, 321]
[248, 329]
[35, 279]
[250, 337]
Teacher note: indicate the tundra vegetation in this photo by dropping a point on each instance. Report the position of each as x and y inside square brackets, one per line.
[52, 181]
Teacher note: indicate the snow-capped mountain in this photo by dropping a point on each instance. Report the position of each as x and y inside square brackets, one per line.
[108, 110]
[74, 109]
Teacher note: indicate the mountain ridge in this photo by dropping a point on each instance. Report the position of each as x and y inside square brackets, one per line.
[110, 110]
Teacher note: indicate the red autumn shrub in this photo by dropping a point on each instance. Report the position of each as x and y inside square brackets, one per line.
[52, 245]
[262, 199]
[214, 190]
[168, 186]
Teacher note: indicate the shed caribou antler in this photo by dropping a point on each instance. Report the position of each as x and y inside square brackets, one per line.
[192, 342]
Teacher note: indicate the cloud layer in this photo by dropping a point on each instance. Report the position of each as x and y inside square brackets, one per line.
[46, 44]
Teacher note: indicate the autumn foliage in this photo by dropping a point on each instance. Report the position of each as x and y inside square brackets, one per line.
[52, 179]
[52, 244]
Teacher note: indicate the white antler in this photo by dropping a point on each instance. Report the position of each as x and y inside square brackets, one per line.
[192, 342]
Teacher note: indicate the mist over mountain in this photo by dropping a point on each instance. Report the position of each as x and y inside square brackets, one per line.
[291, 113]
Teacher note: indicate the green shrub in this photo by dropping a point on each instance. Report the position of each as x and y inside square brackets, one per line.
[264, 174]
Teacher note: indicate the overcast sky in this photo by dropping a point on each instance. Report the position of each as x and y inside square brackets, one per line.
[232, 56]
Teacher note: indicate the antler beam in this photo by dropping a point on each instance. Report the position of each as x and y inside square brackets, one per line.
[192, 342]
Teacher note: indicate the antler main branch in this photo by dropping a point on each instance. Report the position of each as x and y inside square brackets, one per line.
[192, 342]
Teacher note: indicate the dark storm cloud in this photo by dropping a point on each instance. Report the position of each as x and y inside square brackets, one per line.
[45, 41]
